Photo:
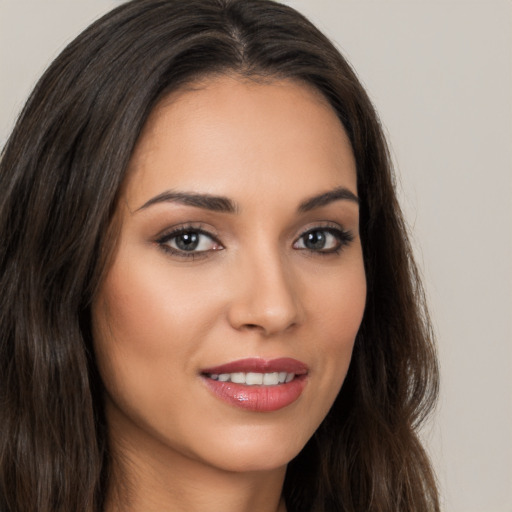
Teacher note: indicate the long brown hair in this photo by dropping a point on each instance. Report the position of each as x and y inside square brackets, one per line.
[60, 176]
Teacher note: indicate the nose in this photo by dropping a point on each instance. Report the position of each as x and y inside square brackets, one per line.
[265, 297]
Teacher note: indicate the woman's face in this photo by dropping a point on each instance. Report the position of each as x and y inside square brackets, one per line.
[225, 325]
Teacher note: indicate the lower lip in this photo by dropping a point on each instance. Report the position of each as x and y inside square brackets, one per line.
[258, 398]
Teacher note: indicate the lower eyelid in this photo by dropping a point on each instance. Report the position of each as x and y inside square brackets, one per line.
[343, 238]
[167, 240]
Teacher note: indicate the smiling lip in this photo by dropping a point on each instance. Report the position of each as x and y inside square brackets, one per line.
[258, 398]
[283, 364]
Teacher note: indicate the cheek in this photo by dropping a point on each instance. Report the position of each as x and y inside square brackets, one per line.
[147, 331]
[143, 309]
[343, 311]
[336, 302]
[336, 306]
[349, 300]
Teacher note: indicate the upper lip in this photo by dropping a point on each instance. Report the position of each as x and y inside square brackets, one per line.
[257, 365]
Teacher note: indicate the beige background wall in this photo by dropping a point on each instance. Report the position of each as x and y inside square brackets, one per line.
[440, 74]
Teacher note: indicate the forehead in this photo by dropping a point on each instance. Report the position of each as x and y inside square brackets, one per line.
[229, 135]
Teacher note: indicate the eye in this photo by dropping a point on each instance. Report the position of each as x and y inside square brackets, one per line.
[188, 242]
[323, 240]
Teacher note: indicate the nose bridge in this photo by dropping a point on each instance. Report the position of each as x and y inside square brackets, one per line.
[265, 296]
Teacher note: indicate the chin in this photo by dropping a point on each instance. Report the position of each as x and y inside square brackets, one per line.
[255, 450]
[255, 460]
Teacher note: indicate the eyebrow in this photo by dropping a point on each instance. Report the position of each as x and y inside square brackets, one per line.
[205, 201]
[226, 205]
[337, 194]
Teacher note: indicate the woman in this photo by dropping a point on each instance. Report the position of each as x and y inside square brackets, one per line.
[209, 301]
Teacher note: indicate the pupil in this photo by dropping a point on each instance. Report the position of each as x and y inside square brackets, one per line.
[315, 240]
[187, 241]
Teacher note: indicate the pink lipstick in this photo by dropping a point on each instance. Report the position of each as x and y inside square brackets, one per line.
[257, 385]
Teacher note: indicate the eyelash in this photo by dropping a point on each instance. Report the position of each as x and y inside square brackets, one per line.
[343, 238]
[164, 241]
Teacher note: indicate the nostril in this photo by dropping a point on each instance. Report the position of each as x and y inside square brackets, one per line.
[260, 328]
[268, 308]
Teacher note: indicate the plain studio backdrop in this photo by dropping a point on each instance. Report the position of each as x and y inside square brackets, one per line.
[440, 75]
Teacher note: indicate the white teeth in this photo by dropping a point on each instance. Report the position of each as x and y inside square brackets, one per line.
[254, 378]
[270, 379]
[238, 378]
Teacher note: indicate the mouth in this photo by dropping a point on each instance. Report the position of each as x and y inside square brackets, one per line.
[253, 378]
[258, 385]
